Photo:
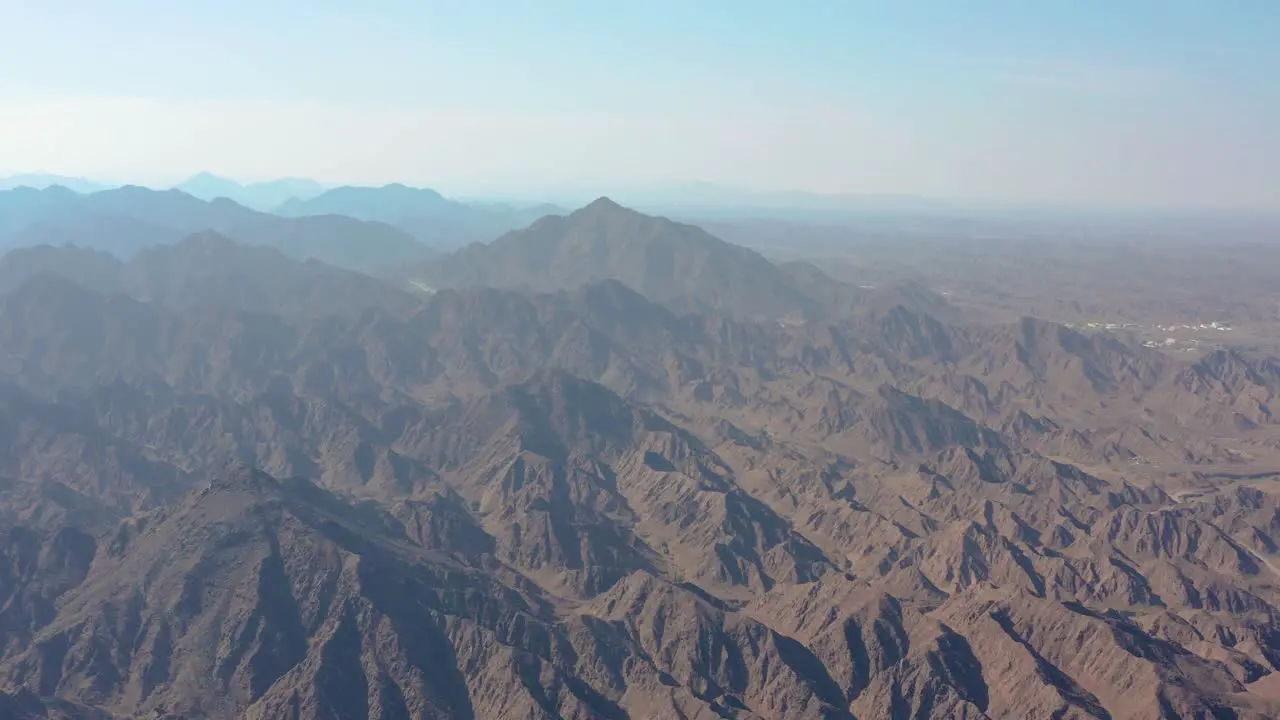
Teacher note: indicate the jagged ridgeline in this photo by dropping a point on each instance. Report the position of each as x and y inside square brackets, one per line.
[605, 466]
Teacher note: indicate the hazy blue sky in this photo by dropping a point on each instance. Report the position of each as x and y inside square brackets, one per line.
[1166, 102]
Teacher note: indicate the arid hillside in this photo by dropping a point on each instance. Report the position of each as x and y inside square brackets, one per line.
[614, 467]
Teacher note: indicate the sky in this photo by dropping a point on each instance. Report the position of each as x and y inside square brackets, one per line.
[1144, 103]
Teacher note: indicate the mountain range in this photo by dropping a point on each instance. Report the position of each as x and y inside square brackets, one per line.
[608, 466]
[368, 229]
[265, 196]
[423, 213]
[127, 219]
[679, 265]
[40, 181]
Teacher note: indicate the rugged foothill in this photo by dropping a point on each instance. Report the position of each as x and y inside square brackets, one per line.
[606, 466]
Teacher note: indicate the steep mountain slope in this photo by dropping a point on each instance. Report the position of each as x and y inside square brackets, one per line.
[26, 705]
[680, 266]
[675, 264]
[60, 467]
[233, 484]
[96, 270]
[263, 595]
[590, 482]
[209, 269]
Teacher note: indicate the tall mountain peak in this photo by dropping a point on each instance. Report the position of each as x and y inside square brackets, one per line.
[602, 205]
[237, 475]
[676, 264]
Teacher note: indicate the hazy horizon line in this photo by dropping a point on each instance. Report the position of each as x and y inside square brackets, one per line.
[666, 195]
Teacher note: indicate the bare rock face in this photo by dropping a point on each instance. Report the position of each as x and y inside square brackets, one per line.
[26, 705]
[324, 497]
[249, 583]
[265, 597]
